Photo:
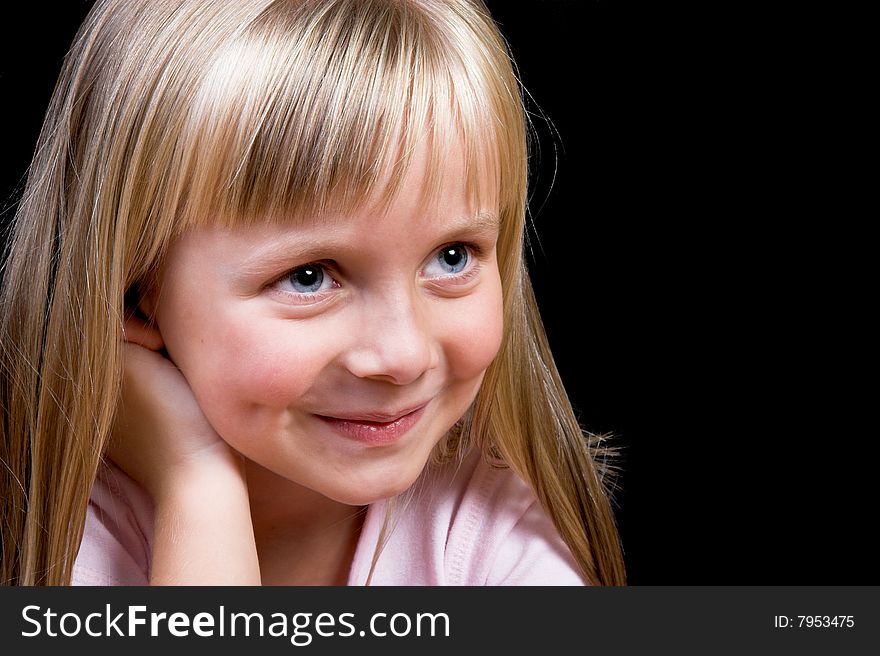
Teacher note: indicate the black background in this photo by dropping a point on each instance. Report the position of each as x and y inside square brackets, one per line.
[698, 301]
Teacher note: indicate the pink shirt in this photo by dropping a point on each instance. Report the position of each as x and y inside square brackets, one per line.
[472, 525]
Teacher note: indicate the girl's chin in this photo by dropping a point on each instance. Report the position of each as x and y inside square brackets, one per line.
[366, 483]
[364, 495]
[352, 483]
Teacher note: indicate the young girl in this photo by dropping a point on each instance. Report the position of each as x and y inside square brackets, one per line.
[265, 315]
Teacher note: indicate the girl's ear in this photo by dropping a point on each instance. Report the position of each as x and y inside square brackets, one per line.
[138, 329]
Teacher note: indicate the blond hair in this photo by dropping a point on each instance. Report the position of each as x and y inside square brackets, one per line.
[170, 114]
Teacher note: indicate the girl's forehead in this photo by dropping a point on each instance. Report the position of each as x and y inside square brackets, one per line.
[257, 245]
[416, 214]
[433, 184]
[398, 223]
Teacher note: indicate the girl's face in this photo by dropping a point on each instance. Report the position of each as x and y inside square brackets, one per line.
[337, 352]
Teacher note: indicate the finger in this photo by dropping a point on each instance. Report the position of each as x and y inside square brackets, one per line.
[138, 331]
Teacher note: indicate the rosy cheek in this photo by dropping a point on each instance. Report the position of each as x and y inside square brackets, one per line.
[268, 363]
[473, 332]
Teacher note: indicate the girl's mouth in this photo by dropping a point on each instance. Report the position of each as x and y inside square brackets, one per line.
[373, 432]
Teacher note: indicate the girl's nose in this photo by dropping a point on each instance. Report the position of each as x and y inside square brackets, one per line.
[393, 342]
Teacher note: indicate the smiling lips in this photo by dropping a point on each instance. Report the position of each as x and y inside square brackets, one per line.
[374, 428]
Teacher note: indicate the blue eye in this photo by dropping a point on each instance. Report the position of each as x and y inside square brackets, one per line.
[307, 279]
[451, 259]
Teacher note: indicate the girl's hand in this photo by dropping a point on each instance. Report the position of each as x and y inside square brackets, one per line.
[161, 434]
[203, 533]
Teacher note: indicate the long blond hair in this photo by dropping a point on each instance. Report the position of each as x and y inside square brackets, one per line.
[169, 114]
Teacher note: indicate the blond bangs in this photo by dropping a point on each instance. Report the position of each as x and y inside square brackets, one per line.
[314, 109]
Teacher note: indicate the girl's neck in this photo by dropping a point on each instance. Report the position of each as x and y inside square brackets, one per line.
[302, 537]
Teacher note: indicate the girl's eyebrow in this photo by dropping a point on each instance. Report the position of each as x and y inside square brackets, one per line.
[483, 223]
[298, 246]
[279, 253]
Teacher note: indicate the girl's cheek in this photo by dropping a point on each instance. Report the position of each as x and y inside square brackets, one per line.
[272, 364]
[473, 332]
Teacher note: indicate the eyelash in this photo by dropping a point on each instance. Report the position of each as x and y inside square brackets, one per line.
[475, 255]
